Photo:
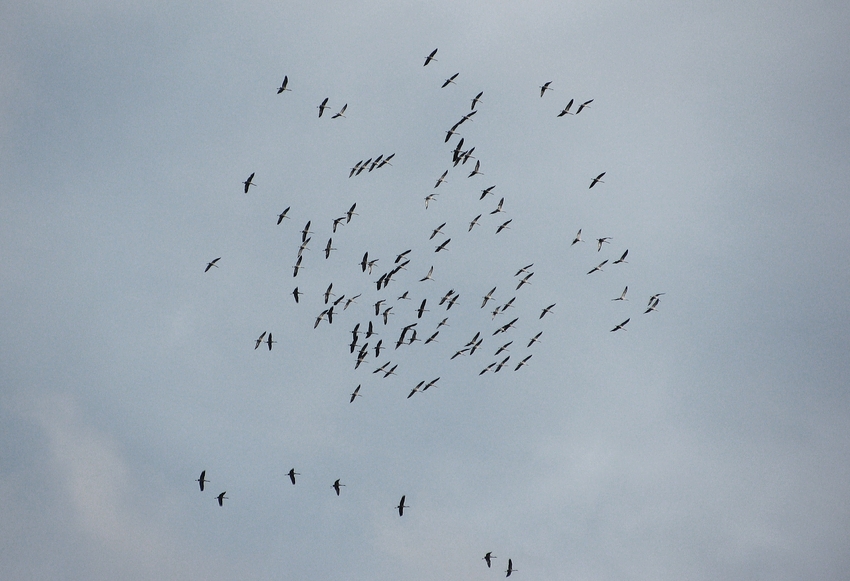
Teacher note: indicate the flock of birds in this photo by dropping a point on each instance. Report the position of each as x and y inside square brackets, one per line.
[421, 324]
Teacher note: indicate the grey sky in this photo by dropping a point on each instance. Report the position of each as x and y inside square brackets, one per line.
[709, 440]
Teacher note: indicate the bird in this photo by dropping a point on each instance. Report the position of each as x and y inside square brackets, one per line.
[622, 297]
[306, 231]
[524, 269]
[386, 160]
[249, 182]
[597, 180]
[504, 226]
[486, 369]
[201, 479]
[545, 87]
[622, 259]
[430, 198]
[355, 169]
[352, 300]
[421, 309]
[585, 105]
[598, 267]
[476, 100]
[577, 238]
[473, 223]
[488, 297]
[323, 106]
[442, 178]
[489, 556]
[221, 498]
[355, 394]
[521, 363]
[303, 246]
[452, 301]
[621, 326]
[524, 281]
[295, 270]
[342, 113]
[401, 506]
[337, 222]
[351, 213]
[430, 58]
[260, 340]
[443, 245]
[328, 248]
[450, 81]
[328, 294]
[566, 110]
[437, 230]
[269, 341]
[378, 348]
[475, 171]
[432, 338]
[444, 322]
[212, 263]
[499, 207]
[601, 241]
[486, 191]
[503, 348]
[320, 318]
[336, 485]
[534, 340]
[501, 364]
[456, 152]
[282, 87]
[283, 215]
[292, 475]
[547, 310]
[510, 568]
[428, 276]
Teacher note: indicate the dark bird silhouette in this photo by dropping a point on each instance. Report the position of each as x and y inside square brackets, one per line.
[269, 341]
[450, 81]
[283, 215]
[221, 498]
[621, 326]
[474, 223]
[211, 264]
[566, 110]
[341, 113]
[598, 267]
[249, 182]
[622, 259]
[201, 480]
[504, 226]
[585, 105]
[547, 310]
[597, 180]
[323, 106]
[543, 88]
[443, 245]
[510, 568]
[292, 475]
[336, 485]
[476, 100]
[260, 340]
[282, 87]
[401, 506]
[430, 58]
[355, 394]
[489, 554]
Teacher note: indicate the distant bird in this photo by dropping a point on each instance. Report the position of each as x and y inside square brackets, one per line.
[521, 363]
[295, 270]
[622, 297]
[328, 294]
[336, 485]
[249, 182]
[486, 191]
[534, 340]
[601, 241]
[430, 198]
[467, 117]
[597, 180]
[547, 310]
[328, 248]
[355, 394]
[414, 390]
[201, 479]
[475, 171]
[323, 106]
[283, 215]
[456, 152]
[444, 322]
[337, 222]
[386, 160]
[269, 341]
[474, 222]
[622, 259]
[442, 178]
[428, 276]
[577, 238]
[476, 100]
[292, 475]
[524, 280]
[378, 348]
[501, 364]
[350, 213]
[443, 245]
[351, 301]
[504, 226]
[341, 113]
[499, 207]
[421, 310]
[320, 318]
[621, 326]
[401, 506]
[211, 264]
[221, 498]
[355, 169]
[488, 297]
[524, 269]
[598, 267]
[543, 88]
[486, 369]
[260, 340]
[585, 105]
[437, 230]
[306, 231]
[282, 87]
[503, 348]
[510, 568]
[489, 556]
[432, 338]
[566, 110]
[430, 58]
[450, 81]
[452, 301]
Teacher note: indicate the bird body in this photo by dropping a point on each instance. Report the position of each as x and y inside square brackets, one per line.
[401, 506]
[430, 58]
[201, 479]
[282, 87]
[212, 263]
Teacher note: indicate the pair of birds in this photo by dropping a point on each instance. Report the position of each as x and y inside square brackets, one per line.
[490, 556]
[202, 479]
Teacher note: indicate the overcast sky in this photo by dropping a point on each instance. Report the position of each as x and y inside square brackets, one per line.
[708, 439]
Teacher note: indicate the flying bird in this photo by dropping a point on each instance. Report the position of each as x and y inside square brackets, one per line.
[534, 339]
[336, 485]
[499, 207]
[598, 267]
[545, 87]
[249, 182]
[475, 171]
[601, 241]
[476, 100]
[401, 506]
[622, 259]
[260, 340]
[292, 475]
[211, 264]
[428, 276]
[490, 554]
[282, 87]
[597, 180]
[521, 363]
[524, 269]
[430, 58]
[295, 270]
[504, 226]
[450, 81]
[421, 310]
[437, 230]
[443, 245]
[486, 191]
[473, 223]
[328, 248]
[442, 178]
[221, 498]
[503, 348]
[621, 326]
[430, 198]
[341, 113]
[355, 394]
[622, 297]
[547, 310]
[296, 293]
[585, 105]
[577, 238]
[283, 215]
[566, 110]
[323, 106]
[269, 341]
[328, 293]
[201, 479]
[510, 568]
[488, 297]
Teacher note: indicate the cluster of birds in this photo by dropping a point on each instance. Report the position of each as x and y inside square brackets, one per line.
[365, 345]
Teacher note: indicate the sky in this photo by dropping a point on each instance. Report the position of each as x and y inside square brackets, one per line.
[710, 438]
